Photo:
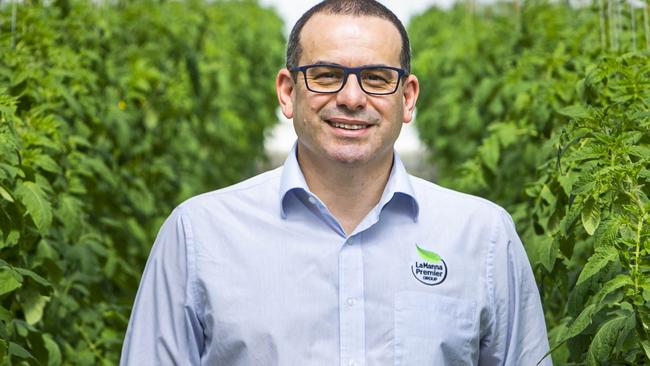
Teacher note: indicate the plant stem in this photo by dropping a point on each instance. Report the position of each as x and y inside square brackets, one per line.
[633, 194]
[639, 228]
[88, 341]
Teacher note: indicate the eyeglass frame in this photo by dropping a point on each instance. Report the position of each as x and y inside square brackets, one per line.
[346, 74]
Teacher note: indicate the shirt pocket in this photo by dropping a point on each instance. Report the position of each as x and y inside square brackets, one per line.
[432, 329]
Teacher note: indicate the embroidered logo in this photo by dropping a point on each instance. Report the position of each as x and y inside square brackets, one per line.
[430, 269]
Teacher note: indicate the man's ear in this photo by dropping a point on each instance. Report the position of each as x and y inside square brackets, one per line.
[411, 92]
[284, 87]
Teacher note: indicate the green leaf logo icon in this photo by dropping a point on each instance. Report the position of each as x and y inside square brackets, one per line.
[427, 255]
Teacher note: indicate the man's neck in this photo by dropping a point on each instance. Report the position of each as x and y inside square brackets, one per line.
[348, 191]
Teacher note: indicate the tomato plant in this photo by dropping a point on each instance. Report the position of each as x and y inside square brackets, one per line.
[110, 115]
[544, 108]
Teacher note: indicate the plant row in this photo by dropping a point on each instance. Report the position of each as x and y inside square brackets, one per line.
[534, 108]
[110, 115]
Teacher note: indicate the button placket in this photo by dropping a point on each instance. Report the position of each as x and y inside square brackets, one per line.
[351, 304]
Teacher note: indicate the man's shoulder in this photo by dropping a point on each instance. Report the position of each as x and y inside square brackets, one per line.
[431, 195]
[259, 188]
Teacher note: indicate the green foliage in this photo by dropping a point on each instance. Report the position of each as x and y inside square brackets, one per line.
[604, 151]
[525, 107]
[110, 115]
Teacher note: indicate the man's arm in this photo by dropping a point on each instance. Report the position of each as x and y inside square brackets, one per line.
[517, 334]
[164, 328]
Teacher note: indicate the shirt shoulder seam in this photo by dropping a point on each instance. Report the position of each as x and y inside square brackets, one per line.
[449, 191]
[248, 184]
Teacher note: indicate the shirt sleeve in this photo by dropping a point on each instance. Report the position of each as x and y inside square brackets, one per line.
[517, 333]
[164, 328]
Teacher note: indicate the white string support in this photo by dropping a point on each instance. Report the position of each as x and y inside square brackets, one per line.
[646, 26]
[517, 8]
[610, 24]
[603, 26]
[13, 24]
[619, 25]
[633, 17]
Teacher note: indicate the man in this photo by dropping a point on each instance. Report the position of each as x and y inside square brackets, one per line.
[339, 257]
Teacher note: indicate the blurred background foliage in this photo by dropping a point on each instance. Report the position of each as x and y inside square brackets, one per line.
[113, 113]
[110, 115]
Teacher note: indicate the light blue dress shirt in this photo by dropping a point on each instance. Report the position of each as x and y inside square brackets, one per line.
[261, 273]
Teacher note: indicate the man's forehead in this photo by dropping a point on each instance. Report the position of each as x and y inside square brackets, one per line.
[337, 32]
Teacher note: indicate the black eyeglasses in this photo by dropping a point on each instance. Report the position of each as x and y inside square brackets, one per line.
[374, 80]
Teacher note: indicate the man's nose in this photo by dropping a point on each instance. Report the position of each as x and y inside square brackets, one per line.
[352, 96]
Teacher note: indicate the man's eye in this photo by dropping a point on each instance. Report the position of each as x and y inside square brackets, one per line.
[376, 78]
[327, 75]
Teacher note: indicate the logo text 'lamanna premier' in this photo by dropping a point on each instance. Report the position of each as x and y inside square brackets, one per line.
[431, 270]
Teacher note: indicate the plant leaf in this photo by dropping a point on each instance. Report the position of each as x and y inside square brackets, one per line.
[53, 351]
[605, 339]
[644, 173]
[46, 163]
[590, 216]
[646, 348]
[11, 240]
[5, 315]
[582, 321]
[34, 276]
[567, 181]
[575, 111]
[3, 350]
[639, 151]
[5, 194]
[33, 304]
[18, 351]
[9, 280]
[37, 205]
[602, 256]
[490, 152]
[611, 286]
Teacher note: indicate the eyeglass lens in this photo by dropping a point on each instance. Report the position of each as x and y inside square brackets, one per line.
[327, 79]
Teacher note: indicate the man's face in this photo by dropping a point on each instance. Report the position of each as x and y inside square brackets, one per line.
[327, 125]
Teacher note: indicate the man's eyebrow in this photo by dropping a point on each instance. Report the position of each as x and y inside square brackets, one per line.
[327, 63]
[337, 64]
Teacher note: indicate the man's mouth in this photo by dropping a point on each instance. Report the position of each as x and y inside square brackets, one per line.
[347, 126]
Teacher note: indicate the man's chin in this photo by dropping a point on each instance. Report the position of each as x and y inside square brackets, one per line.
[350, 157]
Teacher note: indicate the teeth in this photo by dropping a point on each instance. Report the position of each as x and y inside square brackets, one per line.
[347, 127]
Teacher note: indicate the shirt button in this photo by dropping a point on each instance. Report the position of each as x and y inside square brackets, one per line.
[351, 302]
[353, 363]
[312, 200]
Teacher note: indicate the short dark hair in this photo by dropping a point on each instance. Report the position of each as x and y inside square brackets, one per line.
[348, 7]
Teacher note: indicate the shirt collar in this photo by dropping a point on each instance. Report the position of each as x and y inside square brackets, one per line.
[398, 185]
[291, 180]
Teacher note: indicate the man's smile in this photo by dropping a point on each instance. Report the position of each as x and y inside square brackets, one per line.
[347, 127]
[348, 124]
